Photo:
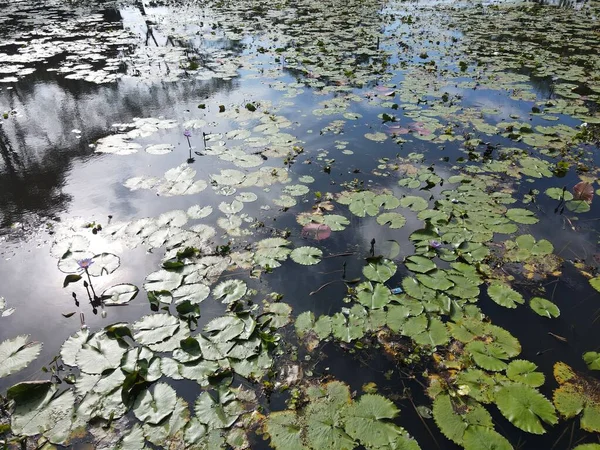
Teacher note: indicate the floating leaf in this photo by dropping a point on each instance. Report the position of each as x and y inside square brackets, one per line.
[583, 191]
[16, 354]
[525, 407]
[419, 264]
[413, 202]
[377, 136]
[488, 356]
[524, 372]
[230, 291]
[544, 308]
[72, 244]
[152, 406]
[193, 292]
[307, 256]
[45, 411]
[521, 215]
[391, 219]
[305, 322]
[482, 438]
[104, 264]
[71, 347]
[366, 421]
[119, 294]
[592, 359]
[576, 394]
[155, 328]
[199, 212]
[224, 328]
[217, 414]
[380, 271]
[99, 354]
[284, 430]
[578, 206]
[504, 295]
[373, 296]
[163, 280]
[160, 149]
[595, 283]
[317, 231]
[453, 420]
[559, 194]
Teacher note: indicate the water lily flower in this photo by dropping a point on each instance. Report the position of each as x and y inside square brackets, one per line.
[187, 133]
[85, 263]
[435, 244]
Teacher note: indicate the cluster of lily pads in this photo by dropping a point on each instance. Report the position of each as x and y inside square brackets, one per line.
[471, 247]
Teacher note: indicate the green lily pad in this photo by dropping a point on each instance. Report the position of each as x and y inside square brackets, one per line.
[592, 359]
[391, 219]
[523, 371]
[453, 421]
[525, 407]
[520, 215]
[504, 295]
[413, 202]
[120, 294]
[155, 328]
[104, 264]
[285, 431]
[419, 264]
[16, 354]
[544, 308]
[482, 438]
[373, 295]
[230, 291]
[377, 136]
[380, 271]
[307, 256]
[152, 406]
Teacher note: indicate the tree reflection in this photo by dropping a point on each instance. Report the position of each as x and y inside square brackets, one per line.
[38, 146]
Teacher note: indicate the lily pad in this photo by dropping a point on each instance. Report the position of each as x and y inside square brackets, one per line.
[380, 271]
[592, 359]
[154, 405]
[16, 354]
[120, 294]
[230, 291]
[544, 308]
[307, 256]
[525, 407]
[504, 295]
[391, 219]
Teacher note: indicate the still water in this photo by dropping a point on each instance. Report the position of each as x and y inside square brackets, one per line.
[261, 115]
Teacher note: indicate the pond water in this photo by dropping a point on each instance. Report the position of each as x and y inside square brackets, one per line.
[299, 225]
